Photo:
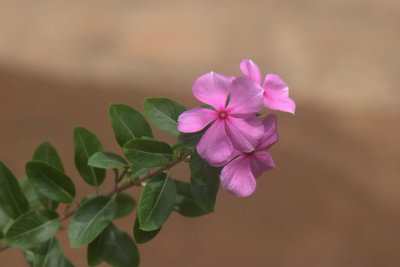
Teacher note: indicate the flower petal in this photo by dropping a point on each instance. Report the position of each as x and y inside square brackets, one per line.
[261, 161]
[246, 97]
[251, 70]
[212, 89]
[237, 177]
[215, 146]
[270, 136]
[276, 94]
[195, 119]
[245, 134]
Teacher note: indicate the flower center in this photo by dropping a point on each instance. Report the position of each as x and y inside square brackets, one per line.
[222, 115]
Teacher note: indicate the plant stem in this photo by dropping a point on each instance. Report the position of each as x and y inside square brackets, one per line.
[123, 187]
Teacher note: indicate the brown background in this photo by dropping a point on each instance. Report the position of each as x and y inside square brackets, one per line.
[332, 201]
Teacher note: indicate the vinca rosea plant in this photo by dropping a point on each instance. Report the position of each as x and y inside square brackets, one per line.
[224, 141]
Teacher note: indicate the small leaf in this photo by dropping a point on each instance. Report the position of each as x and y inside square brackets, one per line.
[143, 236]
[148, 153]
[32, 229]
[86, 144]
[49, 254]
[164, 113]
[191, 139]
[125, 205]
[156, 202]
[205, 195]
[12, 200]
[46, 152]
[201, 171]
[100, 248]
[107, 160]
[29, 192]
[34, 197]
[124, 252]
[184, 203]
[90, 220]
[50, 181]
[4, 220]
[128, 123]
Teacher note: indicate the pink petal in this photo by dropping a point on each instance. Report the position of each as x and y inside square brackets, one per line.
[245, 134]
[251, 70]
[212, 89]
[261, 161]
[195, 119]
[276, 95]
[237, 177]
[246, 97]
[270, 136]
[215, 146]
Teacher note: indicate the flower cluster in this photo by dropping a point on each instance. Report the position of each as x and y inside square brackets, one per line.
[236, 139]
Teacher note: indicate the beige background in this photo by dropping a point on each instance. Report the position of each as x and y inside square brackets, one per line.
[333, 201]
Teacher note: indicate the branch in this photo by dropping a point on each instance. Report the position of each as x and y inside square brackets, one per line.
[123, 187]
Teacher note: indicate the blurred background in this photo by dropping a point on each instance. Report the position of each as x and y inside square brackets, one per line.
[334, 198]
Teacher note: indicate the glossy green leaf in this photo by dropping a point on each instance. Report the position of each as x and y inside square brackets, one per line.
[49, 254]
[191, 139]
[29, 192]
[86, 144]
[50, 181]
[128, 123]
[12, 199]
[124, 252]
[143, 236]
[46, 152]
[156, 202]
[90, 220]
[201, 171]
[205, 195]
[148, 153]
[107, 160]
[32, 229]
[125, 205]
[100, 248]
[184, 203]
[4, 219]
[164, 113]
[34, 197]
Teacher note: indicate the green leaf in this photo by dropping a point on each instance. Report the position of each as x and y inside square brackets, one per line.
[86, 144]
[34, 197]
[107, 160]
[100, 248]
[12, 200]
[50, 181]
[46, 152]
[128, 123]
[30, 193]
[148, 153]
[124, 252]
[156, 202]
[125, 205]
[201, 171]
[143, 236]
[90, 220]
[205, 195]
[164, 113]
[4, 220]
[32, 229]
[184, 203]
[49, 254]
[191, 139]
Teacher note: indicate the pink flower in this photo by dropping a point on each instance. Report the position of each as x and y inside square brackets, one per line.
[233, 123]
[239, 176]
[276, 92]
